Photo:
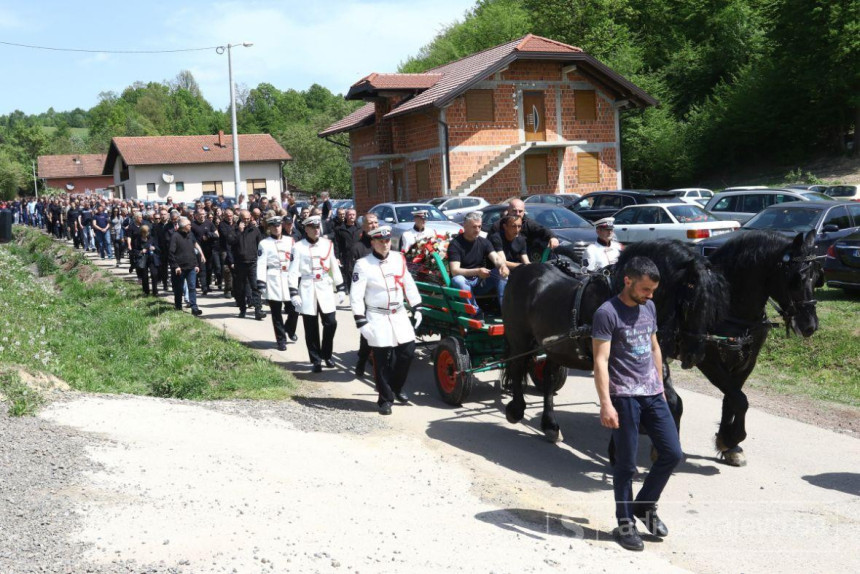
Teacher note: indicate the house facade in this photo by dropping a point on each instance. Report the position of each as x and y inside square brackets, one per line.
[530, 116]
[74, 173]
[186, 167]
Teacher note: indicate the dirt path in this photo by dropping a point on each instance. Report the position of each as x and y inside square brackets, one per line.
[235, 487]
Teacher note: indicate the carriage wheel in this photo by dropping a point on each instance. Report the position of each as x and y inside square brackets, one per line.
[452, 360]
[538, 373]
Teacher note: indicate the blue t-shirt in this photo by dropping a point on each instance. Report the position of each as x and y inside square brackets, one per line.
[632, 372]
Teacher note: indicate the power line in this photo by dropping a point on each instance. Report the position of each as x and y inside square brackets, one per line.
[54, 49]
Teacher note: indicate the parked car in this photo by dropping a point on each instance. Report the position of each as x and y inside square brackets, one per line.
[805, 187]
[831, 220]
[693, 195]
[599, 204]
[679, 220]
[844, 192]
[399, 217]
[340, 204]
[559, 199]
[745, 187]
[742, 205]
[456, 208]
[573, 232]
[842, 263]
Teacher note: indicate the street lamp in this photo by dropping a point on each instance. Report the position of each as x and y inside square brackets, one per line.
[220, 50]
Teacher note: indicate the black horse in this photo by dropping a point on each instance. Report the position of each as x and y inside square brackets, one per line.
[544, 304]
[758, 266]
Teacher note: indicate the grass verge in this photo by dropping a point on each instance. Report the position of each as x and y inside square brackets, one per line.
[61, 315]
[23, 400]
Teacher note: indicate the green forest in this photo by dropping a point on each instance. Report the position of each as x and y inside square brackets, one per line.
[740, 83]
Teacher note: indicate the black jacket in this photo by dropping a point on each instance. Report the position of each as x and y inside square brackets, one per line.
[345, 237]
[244, 245]
[205, 234]
[181, 253]
[531, 230]
[361, 249]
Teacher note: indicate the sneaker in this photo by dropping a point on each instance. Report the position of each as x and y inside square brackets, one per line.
[651, 521]
[628, 537]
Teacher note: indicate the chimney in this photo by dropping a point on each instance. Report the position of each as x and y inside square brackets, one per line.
[221, 138]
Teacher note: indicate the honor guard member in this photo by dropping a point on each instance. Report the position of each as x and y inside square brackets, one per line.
[315, 265]
[273, 266]
[380, 282]
[417, 233]
[606, 250]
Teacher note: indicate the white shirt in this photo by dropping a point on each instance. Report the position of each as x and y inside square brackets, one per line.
[379, 287]
[598, 256]
[413, 236]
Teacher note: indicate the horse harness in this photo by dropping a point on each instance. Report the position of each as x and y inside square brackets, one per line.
[794, 307]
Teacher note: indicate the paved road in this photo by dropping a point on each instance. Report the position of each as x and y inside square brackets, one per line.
[436, 488]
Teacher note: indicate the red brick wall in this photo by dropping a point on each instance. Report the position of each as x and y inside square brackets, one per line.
[504, 131]
[608, 173]
[533, 70]
[363, 142]
[81, 183]
[594, 131]
[415, 132]
[412, 193]
[503, 185]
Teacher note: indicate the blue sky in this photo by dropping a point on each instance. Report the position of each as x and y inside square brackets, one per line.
[296, 43]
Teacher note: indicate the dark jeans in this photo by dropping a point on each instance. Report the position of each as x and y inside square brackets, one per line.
[188, 278]
[391, 366]
[652, 412]
[282, 327]
[119, 249]
[318, 353]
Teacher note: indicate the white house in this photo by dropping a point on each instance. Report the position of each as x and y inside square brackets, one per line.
[185, 167]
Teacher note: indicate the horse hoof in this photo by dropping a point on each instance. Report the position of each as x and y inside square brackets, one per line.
[735, 457]
[513, 414]
[553, 435]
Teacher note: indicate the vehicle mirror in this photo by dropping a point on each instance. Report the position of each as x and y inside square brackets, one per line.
[443, 208]
[389, 219]
[830, 228]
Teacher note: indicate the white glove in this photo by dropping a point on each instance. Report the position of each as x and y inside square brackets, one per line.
[416, 315]
[365, 330]
[296, 301]
[341, 298]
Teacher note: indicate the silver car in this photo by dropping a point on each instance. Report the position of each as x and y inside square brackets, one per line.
[743, 204]
[399, 217]
[456, 208]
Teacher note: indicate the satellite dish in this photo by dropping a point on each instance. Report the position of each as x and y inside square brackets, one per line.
[70, 186]
[167, 177]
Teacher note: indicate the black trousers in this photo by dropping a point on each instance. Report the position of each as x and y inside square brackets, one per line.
[319, 353]
[363, 351]
[145, 275]
[245, 279]
[226, 272]
[204, 277]
[118, 249]
[391, 366]
[283, 327]
[216, 267]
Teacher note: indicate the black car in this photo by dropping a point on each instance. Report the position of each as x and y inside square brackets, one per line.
[842, 264]
[831, 220]
[599, 204]
[559, 199]
[574, 233]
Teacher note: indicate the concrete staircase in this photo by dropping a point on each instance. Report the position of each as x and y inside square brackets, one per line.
[493, 167]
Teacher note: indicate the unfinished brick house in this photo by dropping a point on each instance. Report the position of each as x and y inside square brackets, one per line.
[530, 116]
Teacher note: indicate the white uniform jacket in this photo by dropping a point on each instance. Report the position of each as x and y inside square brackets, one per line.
[378, 289]
[314, 273]
[598, 256]
[411, 237]
[273, 266]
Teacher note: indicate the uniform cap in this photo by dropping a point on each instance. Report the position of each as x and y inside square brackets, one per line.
[313, 221]
[420, 213]
[607, 222]
[383, 232]
[273, 220]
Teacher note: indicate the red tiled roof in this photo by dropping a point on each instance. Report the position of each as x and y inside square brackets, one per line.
[75, 165]
[361, 116]
[532, 43]
[399, 81]
[171, 150]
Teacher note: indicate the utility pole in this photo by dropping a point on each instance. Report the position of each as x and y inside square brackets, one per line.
[220, 50]
[35, 181]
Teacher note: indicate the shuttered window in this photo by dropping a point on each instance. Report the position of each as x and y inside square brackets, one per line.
[422, 177]
[586, 105]
[213, 188]
[589, 167]
[372, 181]
[479, 106]
[536, 170]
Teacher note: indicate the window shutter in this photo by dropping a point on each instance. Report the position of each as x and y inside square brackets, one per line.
[586, 105]
[536, 170]
[372, 181]
[422, 176]
[589, 167]
[479, 106]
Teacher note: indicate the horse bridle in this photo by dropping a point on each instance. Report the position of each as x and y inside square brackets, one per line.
[790, 311]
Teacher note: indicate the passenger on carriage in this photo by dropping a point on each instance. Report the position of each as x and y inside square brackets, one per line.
[417, 233]
[469, 258]
[532, 230]
[605, 251]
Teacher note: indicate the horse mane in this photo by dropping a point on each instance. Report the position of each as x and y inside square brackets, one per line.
[756, 249]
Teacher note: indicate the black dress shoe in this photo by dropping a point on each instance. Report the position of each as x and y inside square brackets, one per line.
[282, 345]
[293, 337]
[196, 312]
[402, 397]
[385, 409]
[329, 363]
[628, 537]
[259, 315]
[652, 522]
[317, 368]
[241, 313]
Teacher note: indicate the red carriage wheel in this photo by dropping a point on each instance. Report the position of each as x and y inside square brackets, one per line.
[451, 360]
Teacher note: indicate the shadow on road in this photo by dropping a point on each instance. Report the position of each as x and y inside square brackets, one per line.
[541, 525]
[847, 482]
[338, 404]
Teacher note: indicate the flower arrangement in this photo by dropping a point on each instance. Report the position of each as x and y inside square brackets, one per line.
[420, 261]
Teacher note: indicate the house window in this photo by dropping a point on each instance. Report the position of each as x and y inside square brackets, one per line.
[536, 169]
[180, 186]
[589, 167]
[372, 181]
[422, 177]
[479, 106]
[213, 188]
[150, 188]
[256, 186]
[586, 105]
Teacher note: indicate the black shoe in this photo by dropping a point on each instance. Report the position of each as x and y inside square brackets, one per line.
[178, 307]
[628, 537]
[359, 369]
[259, 315]
[385, 409]
[329, 363]
[196, 312]
[652, 522]
[293, 337]
[403, 398]
[317, 368]
[241, 313]
[282, 345]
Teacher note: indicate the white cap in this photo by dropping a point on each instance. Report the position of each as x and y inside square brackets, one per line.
[607, 222]
[313, 220]
[383, 232]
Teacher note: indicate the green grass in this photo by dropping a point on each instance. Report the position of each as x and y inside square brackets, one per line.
[23, 401]
[99, 334]
[825, 366]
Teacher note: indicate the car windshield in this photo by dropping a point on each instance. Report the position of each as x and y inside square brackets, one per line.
[785, 219]
[558, 218]
[814, 196]
[404, 213]
[690, 214]
[437, 201]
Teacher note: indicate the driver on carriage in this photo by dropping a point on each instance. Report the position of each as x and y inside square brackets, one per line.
[468, 258]
[418, 231]
[531, 230]
[605, 251]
